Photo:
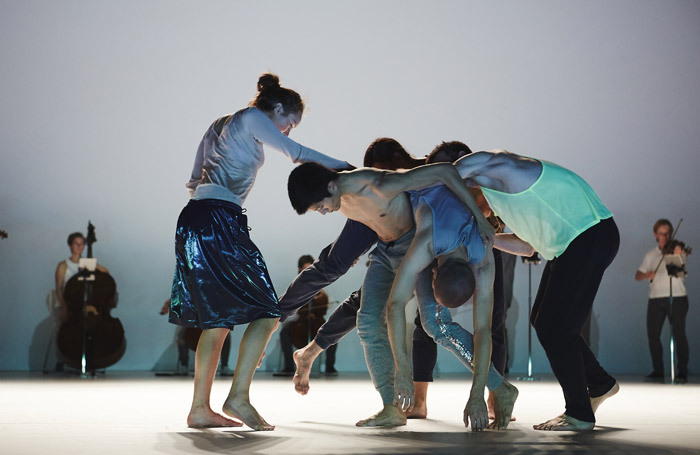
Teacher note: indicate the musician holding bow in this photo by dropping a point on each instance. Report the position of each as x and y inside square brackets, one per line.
[661, 287]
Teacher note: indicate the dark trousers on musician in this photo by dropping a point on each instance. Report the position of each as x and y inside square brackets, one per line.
[564, 300]
[183, 350]
[657, 312]
[288, 350]
[340, 322]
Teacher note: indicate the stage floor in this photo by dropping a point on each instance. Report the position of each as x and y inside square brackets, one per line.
[138, 413]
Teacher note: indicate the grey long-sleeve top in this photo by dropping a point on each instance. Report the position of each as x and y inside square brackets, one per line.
[226, 164]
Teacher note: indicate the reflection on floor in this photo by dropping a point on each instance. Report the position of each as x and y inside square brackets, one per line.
[138, 413]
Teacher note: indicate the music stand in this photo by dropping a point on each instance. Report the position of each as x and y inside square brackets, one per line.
[529, 260]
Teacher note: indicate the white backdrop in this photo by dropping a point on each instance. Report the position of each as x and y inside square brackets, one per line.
[104, 103]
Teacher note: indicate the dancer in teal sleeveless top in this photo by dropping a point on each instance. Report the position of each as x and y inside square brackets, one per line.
[560, 215]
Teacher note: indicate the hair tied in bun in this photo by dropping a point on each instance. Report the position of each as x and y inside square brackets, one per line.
[270, 93]
[267, 81]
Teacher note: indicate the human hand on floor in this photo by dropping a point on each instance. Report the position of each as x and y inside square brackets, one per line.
[404, 392]
[476, 413]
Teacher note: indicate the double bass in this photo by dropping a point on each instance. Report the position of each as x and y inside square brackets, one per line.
[90, 338]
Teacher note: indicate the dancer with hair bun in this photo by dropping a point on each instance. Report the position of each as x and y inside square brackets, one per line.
[221, 279]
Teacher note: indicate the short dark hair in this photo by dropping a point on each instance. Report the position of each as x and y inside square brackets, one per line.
[73, 236]
[453, 283]
[452, 150]
[663, 222]
[308, 184]
[305, 259]
[270, 93]
[384, 150]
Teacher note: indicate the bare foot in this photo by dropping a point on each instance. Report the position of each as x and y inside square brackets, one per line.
[390, 416]
[243, 410]
[304, 359]
[491, 404]
[504, 397]
[565, 423]
[418, 411]
[420, 407]
[595, 402]
[204, 417]
[492, 408]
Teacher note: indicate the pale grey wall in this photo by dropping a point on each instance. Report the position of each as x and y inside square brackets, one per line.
[104, 103]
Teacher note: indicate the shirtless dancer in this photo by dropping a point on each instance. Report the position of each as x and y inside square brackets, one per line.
[376, 199]
[561, 216]
[354, 240]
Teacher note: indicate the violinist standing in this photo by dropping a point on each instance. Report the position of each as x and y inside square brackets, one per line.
[659, 308]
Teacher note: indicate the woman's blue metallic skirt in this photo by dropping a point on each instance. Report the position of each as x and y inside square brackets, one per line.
[220, 275]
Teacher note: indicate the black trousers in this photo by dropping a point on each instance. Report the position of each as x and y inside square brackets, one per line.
[657, 312]
[288, 350]
[564, 300]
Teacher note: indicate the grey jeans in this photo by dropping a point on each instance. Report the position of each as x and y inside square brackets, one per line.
[384, 261]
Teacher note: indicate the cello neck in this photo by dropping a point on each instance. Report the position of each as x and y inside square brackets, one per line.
[90, 239]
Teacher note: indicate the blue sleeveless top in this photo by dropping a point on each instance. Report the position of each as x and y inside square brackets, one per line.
[453, 224]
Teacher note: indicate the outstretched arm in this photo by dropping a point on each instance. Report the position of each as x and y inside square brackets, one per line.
[511, 243]
[499, 170]
[354, 240]
[264, 131]
[417, 258]
[475, 164]
[476, 410]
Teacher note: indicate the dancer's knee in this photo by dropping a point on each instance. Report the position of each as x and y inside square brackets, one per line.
[436, 333]
[555, 335]
[431, 326]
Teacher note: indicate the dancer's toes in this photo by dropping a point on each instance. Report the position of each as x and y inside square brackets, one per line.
[504, 398]
[564, 423]
[390, 416]
[301, 376]
[301, 385]
[417, 412]
[243, 410]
